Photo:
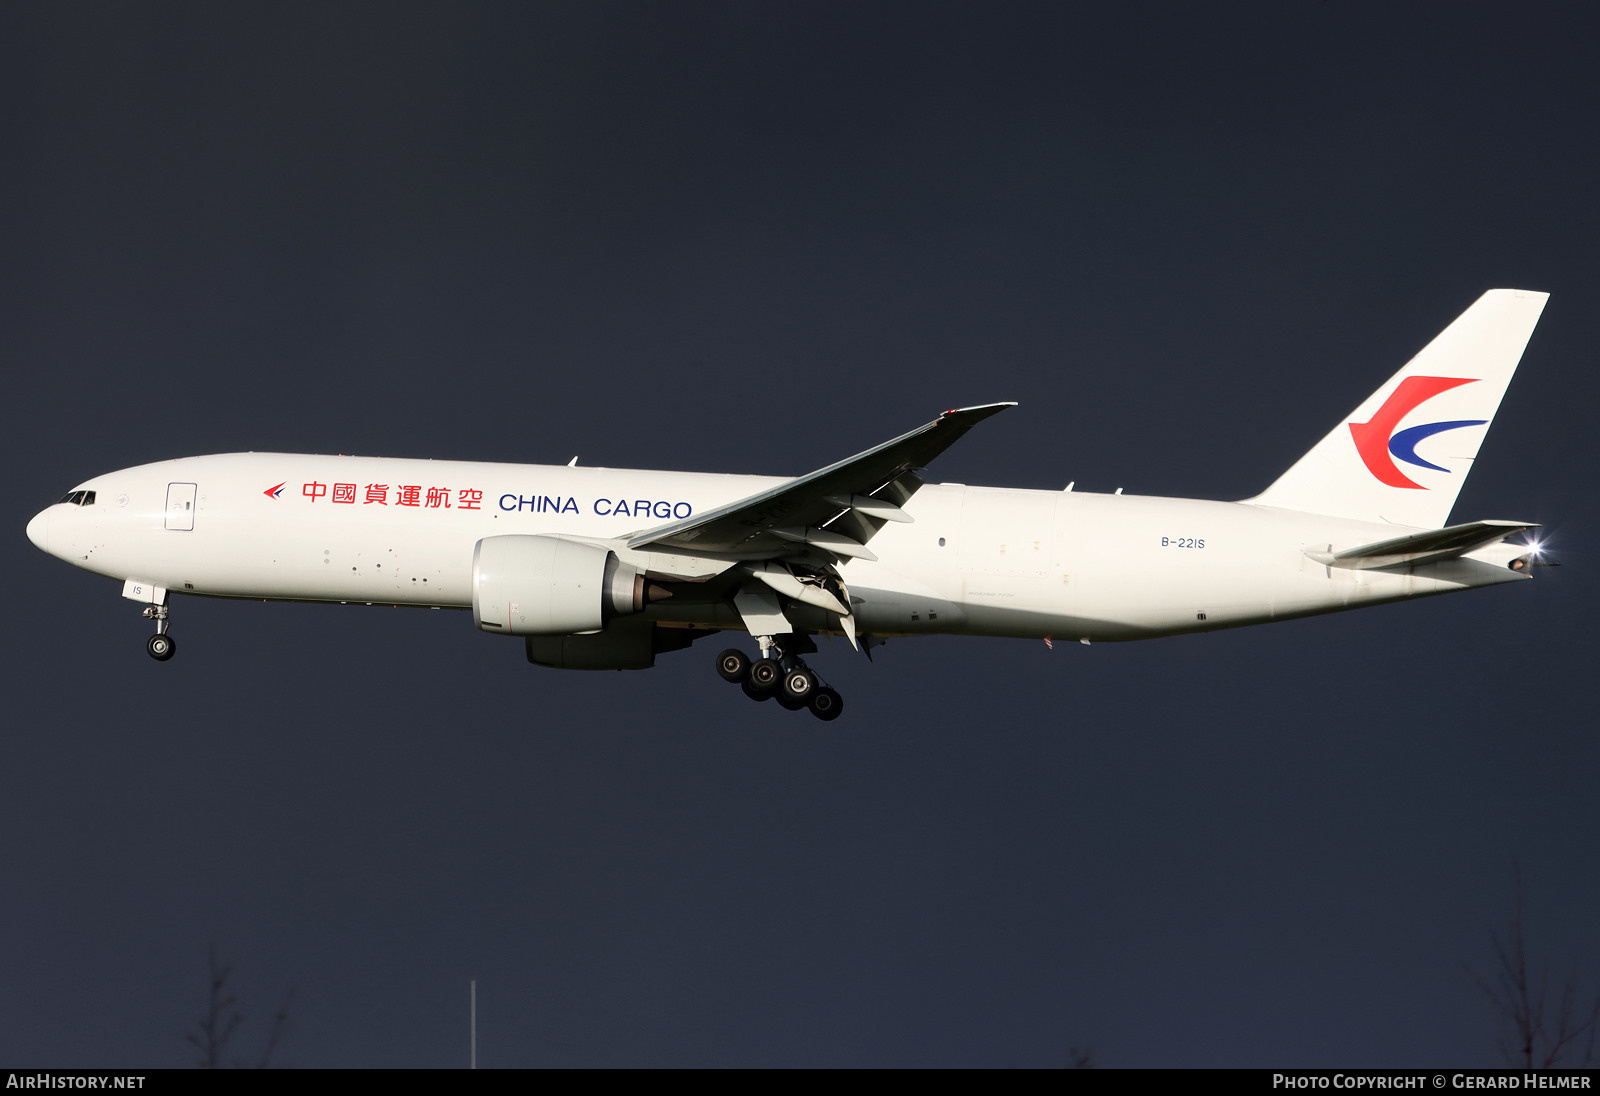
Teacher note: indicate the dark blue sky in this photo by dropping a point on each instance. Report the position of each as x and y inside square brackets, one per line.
[759, 238]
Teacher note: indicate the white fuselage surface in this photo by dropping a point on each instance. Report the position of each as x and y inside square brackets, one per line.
[974, 561]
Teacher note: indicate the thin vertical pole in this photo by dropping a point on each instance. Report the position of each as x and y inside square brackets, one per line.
[474, 1023]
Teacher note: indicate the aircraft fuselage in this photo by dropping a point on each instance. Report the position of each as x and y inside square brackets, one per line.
[973, 561]
[600, 568]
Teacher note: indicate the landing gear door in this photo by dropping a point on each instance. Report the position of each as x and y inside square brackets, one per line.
[180, 506]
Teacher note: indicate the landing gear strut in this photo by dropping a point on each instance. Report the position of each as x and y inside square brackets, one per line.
[783, 677]
[161, 646]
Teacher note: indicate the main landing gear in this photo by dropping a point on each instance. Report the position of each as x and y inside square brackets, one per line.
[161, 646]
[774, 676]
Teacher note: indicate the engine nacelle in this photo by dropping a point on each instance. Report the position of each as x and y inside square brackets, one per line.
[542, 586]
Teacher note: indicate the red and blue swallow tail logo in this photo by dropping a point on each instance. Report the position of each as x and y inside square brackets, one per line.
[274, 492]
[1377, 441]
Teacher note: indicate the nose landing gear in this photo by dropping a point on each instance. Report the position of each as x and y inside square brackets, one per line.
[775, 676]
[160, 646]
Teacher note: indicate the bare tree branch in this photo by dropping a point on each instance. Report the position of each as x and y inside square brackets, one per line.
[1532, 1037]
[223, 1019]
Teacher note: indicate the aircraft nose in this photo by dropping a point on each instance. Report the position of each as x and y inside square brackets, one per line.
[39, 530]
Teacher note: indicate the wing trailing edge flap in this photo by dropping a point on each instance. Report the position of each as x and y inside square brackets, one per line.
[831, 512]
[781, 579]
[763, 612]
[1432, 546]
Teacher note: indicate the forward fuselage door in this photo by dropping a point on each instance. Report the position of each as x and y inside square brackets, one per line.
[180, 506]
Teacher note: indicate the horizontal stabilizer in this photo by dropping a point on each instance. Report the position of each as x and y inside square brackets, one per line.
[1429, 547]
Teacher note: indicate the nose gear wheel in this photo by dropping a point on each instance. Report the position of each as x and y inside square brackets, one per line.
[160, 646]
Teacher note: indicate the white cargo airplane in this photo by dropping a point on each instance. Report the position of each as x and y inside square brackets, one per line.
[599, 568]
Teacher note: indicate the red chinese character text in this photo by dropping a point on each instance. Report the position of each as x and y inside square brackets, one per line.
[470, 499]
[377, 493]
[314, 491]
[344, 492]
[410, 495]
[438, 496]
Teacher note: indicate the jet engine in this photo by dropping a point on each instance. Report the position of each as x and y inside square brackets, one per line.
[537, 585]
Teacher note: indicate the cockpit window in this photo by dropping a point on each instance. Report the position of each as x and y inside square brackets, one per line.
[88, 499]
[79, 498]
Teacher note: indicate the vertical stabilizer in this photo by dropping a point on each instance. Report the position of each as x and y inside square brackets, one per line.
[1403, 455]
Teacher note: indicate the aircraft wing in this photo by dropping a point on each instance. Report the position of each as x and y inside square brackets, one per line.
[835, 509]
[1428, 547]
